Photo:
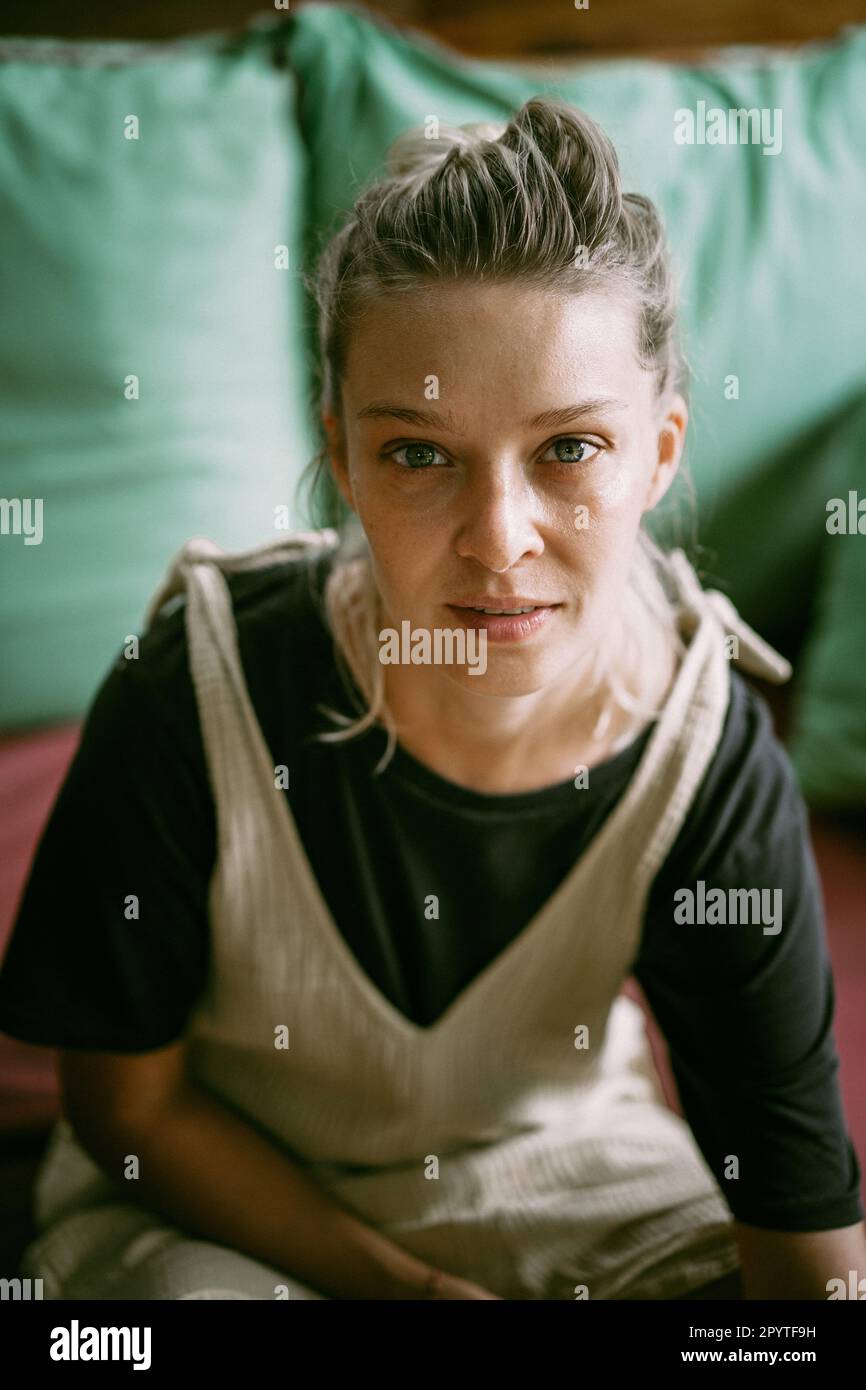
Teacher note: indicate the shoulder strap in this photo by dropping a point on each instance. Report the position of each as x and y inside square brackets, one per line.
[238, 758]
[201, 551]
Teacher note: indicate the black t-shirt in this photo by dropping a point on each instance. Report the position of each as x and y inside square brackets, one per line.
[747, 1015]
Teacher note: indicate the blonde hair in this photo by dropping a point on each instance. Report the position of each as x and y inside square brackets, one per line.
[537, 199]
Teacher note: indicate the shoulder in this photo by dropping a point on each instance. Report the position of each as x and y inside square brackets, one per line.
[286, 588]
[283, 639]
[749, 796]
[283, 598]
[746, 832]
[286, 598]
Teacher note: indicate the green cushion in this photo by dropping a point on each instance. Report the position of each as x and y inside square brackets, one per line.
[828, 746]
[769, 252]
[153, 257]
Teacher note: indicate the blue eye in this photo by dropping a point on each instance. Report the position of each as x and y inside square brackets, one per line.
[421, 455]
[573, 450]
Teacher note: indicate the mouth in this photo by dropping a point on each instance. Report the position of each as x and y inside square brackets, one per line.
[507, 619]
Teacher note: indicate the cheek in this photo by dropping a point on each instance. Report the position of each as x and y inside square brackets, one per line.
[403, 553]
[599, 537]
[601, 515]
[388, 502]
[614, 494]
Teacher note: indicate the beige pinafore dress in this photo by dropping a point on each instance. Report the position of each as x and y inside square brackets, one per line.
[493, 1143]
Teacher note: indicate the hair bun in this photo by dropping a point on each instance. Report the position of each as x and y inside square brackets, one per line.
[415, 152]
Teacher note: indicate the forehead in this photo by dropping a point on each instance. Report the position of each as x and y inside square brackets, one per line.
[510, 341]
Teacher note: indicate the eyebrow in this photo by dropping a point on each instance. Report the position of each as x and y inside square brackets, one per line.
[560, 415]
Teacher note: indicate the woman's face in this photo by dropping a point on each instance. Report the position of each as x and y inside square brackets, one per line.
[500, 444]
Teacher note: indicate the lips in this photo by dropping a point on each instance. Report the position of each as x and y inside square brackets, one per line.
[505, 619]
[505, 612]
[503, 603]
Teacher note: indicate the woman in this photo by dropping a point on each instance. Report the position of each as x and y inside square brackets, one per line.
[363, 843]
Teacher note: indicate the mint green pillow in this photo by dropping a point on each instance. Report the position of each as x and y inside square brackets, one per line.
[152, 258]
[769, 253]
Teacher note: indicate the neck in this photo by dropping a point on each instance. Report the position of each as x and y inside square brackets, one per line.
[499, 743]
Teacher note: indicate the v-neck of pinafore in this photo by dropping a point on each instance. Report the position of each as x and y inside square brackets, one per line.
[531, 936]
[210, 618]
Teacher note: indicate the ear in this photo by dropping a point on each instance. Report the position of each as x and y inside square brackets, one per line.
[337, 457]
[670, 442]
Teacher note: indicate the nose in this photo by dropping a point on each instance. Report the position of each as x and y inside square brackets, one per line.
[499, 523]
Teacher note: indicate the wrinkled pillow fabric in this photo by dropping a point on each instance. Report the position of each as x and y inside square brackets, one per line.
[153, 384]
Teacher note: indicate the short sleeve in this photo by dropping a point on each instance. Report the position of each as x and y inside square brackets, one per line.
[746, 1001]
[110, 948]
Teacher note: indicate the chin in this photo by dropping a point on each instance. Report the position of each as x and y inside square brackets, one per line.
[520, 677]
